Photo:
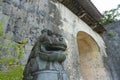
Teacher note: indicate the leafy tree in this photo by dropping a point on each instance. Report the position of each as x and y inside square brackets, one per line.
[110, 16]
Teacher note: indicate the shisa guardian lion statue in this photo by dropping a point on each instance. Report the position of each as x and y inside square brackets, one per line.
[45, 60]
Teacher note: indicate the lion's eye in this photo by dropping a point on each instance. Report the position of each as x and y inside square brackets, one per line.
[61, 39]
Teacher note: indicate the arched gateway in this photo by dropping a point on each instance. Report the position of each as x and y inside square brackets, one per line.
[91, 64]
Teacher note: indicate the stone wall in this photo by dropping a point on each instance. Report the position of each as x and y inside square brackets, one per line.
[112, 40]
[24, 19]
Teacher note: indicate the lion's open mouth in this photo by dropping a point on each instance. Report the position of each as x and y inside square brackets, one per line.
[55, 48]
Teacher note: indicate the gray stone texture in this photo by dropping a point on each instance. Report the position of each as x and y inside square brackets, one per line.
[112, 40]
[24, 20]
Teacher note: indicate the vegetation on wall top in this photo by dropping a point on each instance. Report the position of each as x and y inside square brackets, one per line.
[110, 16]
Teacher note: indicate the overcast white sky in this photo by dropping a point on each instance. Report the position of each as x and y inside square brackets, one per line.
[103, 5]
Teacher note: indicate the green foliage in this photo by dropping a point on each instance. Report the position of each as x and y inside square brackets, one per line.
[110, 16]
[10, 55]
[13, 74]
[1, 33]
[111, 33]
[24, 41]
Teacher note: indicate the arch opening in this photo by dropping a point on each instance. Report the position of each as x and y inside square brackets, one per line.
[91, 64]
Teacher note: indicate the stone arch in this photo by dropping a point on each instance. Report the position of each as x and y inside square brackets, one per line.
[91, 64]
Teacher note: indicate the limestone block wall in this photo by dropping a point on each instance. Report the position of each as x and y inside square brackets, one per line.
[112, 40]
[24, 19]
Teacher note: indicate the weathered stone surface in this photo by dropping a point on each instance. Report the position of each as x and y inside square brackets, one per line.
[26, 19]
[112, 40]
[4, 21]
